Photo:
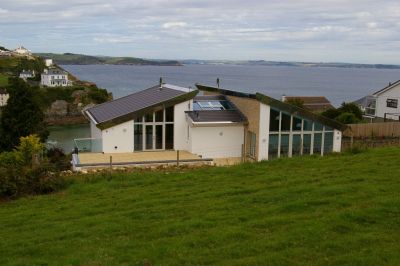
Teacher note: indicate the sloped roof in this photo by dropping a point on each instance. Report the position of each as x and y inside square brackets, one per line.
[388, 87]
[309, 99]
[212, 116]
[137, 104]
[55, 71]
[277, 104]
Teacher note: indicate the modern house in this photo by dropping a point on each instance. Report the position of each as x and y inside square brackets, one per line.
[316, 104]
[25, 74]
[54, 77]
[383, 103]
[3, 97]
[218, 124]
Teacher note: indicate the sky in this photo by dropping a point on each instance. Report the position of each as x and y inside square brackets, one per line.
[354, 31]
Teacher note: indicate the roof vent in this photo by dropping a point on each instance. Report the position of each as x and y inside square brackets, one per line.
[161, 83]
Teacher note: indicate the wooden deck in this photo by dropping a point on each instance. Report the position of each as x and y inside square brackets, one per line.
[134, 157]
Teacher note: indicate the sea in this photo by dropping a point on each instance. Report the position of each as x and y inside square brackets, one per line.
[337, 84]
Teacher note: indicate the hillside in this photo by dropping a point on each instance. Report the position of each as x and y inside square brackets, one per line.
[80, 59]
[336, 210]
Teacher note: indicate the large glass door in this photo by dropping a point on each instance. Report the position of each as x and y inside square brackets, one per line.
[159, 137]
[149, 137]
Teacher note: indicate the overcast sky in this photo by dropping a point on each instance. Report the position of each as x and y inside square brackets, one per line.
[363, 31]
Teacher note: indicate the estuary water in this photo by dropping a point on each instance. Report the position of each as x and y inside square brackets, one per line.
[337, 84]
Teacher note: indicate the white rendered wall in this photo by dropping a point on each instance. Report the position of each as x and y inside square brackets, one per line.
[337, 140]
[95, 132]
[181, 141]
[381, 105]
[3, 99]
[118, 138]
[263, 135]
[217, 141]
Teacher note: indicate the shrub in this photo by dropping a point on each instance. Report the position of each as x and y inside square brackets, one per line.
[58, 159]
[347, 118]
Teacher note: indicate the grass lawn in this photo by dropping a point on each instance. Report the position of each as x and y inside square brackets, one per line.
[336, 210]
[3, 80]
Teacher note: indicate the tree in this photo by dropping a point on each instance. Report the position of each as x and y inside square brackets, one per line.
[351, 108]
[331, 113]
[21, 116]
[347, 118]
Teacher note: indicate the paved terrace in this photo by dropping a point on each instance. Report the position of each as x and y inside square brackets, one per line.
[100, 160]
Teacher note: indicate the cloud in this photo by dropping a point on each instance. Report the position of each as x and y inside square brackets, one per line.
[254, 29]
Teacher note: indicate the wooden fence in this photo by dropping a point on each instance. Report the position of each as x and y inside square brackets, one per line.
[372, 130]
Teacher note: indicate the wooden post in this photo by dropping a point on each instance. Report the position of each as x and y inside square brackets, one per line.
[177, 158]
[351, 141]
[110, 165]
[243, 153]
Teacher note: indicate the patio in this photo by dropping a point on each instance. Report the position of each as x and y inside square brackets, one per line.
[100, 160]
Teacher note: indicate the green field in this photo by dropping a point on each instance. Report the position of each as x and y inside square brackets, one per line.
[3, 80]
[336, 210]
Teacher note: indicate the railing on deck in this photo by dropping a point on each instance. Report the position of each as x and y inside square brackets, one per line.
[88, 145]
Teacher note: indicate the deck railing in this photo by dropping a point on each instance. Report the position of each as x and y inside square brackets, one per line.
[88, 145]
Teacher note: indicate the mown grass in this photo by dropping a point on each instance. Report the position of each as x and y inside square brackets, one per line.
[336, 210]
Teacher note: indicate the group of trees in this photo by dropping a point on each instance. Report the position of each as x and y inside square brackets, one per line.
[347, 113]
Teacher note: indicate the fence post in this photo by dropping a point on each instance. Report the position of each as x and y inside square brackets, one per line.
[351, 141]
[177, 158]
[110, 165]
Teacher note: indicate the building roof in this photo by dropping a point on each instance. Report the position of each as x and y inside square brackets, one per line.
[388, 87]
[55, 71]
[277, 104]
[138, 104]
[314, 103]
[230, 115]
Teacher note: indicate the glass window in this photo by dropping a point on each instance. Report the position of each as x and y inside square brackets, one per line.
[169, 114]
[148, 117]
[227, 105]
[274, 120]
[149, 137]
[159, 136]
[273, 146]
[138, 137]
[169, 136]
[160, 116]
[392, 103]
[285, 123]
[328, 142]
[317, 126]
[296, 126]
[296, 145]
[328, 128]
[284, 145]
[306, 144]
[317, 143]
[196, 106]
[307, 125]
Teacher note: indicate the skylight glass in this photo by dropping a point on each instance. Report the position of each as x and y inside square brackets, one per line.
[212, 105]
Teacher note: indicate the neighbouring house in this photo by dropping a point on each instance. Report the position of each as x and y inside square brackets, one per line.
[4, 53]
[22, 51]
[383, 103]
[54, 77]
[3, 97]
[316, 104]
[218, 124]
[48, 62]
[25, 74]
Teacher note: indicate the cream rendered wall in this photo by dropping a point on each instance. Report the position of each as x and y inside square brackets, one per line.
[95, 132]
[119, 136]
[181, 141]
[337, 140]
[381, 106]
[263, 139]
[217, 141]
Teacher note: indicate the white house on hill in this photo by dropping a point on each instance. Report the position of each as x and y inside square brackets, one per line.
[3, 97]
[25, 74]
[22, 51]
[383, 103]
[54, 77]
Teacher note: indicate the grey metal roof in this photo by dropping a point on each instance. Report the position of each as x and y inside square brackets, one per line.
[124, 108]
[55, 71]
[233, 116]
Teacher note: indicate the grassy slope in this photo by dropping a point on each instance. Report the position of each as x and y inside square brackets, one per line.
[3, 80]
[341, 209]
